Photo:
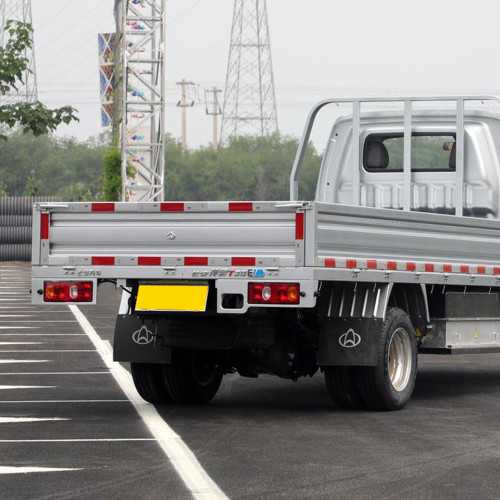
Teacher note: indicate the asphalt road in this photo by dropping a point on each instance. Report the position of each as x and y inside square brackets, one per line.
[265, 438]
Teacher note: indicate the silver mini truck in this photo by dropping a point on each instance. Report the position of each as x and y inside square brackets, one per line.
[398, 254]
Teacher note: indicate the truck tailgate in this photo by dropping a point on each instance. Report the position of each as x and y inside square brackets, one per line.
[165, 234]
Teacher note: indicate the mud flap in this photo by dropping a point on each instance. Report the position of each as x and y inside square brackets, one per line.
[137, 340]
[349, 342]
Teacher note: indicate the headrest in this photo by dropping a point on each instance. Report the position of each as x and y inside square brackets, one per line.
[376, 155]
[453, 157]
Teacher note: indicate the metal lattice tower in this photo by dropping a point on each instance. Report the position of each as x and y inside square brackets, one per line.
[19, 10]
[141, 24]
[249, 100]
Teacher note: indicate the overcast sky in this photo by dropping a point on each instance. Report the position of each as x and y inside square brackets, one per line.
[320, 48]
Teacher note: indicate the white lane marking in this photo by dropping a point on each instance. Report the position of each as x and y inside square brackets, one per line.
[22, 343]
[12, 361]
[51, 350]
[56, 373]
[90, 440]
[27, 470]
[18, 315]
[29, 334]
[65, 401]
[24, 315]
[20, 327]
[181, 457]
[44, 321]
[9, 387]
[27, 420]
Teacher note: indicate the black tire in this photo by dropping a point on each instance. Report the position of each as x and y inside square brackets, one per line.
[193, 377]
[148, 380]
[342, 388]
[389, 386]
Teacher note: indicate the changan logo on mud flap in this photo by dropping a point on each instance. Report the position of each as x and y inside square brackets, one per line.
[143, 336]
[350, 339]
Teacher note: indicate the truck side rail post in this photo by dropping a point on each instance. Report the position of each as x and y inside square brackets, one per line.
[408, 115]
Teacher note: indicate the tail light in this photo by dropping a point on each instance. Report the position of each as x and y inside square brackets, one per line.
[273, 293]
[68, 291]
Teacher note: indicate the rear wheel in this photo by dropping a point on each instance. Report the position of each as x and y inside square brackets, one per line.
[342, 388]
[148, 380]
[390, 384]
[193, 377]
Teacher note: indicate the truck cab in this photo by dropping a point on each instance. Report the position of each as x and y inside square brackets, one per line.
[433, 155]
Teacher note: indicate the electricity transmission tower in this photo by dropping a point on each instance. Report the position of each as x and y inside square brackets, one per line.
[249, 100]
[19, 10]
[141, 27]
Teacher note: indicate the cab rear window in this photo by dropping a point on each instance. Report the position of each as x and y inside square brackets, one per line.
[429, 152]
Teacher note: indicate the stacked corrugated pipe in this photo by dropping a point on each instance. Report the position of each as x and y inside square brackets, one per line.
[16, 215]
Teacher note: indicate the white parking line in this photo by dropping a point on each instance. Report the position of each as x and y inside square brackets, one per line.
[22, 343]
[66, 401]
[13, 361]
[20, 327]
[27, 470]
[56, 373]
[44, 334]
[44, 321]
[181, 457]
[50, 350]
[89, 440]
[27, 420]
[9, 387]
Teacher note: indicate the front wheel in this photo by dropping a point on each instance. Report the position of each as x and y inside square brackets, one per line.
[193, 377]
[390, 384]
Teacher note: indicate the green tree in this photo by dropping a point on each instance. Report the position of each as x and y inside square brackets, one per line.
[112, 184]
[32, 184]
[32, 117]
[249, 168]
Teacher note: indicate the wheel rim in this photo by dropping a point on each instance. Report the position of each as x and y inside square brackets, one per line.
[400, 359]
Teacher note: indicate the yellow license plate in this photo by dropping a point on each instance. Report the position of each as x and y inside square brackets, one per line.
[190, 298]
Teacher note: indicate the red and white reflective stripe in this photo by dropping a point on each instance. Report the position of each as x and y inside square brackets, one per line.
[103, 261]
[299, 226]
[177, 206]
[149, 261]
[174, 261]
[45, 226]
[411, 266]
[240, 207]
[103, 207]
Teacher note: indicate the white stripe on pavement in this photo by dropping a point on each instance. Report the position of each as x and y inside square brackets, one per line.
[14, 361]
[26, 420]
[181, 457]
[9, 387]
[89, 440]
[27, 470]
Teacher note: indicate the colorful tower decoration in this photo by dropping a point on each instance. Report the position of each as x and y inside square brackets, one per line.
[141, 26]
[107, 46]
[19, 10]
[249, 99]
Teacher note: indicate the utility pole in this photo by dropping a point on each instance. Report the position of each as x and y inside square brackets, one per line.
[184, 104]
[216, 111]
